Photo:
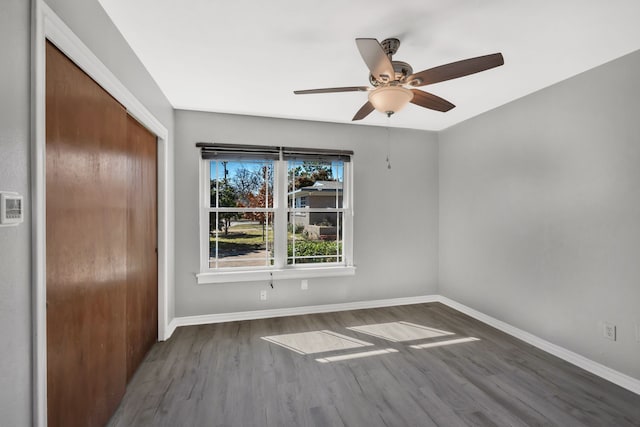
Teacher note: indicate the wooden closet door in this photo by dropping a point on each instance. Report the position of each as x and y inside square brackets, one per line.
[142, 260]
[86, 217]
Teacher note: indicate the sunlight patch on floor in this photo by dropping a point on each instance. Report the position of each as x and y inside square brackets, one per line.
[356, 355]
[316, 342]
[446, 342]
[400, 331]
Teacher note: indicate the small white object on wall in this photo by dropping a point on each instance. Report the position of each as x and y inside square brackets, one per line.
[11, 209]
[609, 331]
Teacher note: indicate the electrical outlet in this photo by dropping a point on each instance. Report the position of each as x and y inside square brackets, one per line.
[304, 285]
[609, 331]
[263, 295]
[637, 332]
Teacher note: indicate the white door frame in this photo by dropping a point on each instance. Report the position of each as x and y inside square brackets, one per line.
[46, 25]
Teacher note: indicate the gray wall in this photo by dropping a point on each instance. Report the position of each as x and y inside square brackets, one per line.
[540, 213]
[15, 277]
[88, 20]
[396, 223]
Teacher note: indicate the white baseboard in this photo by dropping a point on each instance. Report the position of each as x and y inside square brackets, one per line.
[623, 380]
[295, 311]
[170, 328]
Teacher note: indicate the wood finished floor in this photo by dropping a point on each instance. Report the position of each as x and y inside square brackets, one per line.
[228, 375]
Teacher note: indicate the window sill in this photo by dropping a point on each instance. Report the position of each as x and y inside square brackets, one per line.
[280, 274]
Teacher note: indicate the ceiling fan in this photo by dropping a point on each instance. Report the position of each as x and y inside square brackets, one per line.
[394, 82]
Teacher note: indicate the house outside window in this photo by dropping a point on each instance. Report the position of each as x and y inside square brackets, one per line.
[315, 219]
[274, 211]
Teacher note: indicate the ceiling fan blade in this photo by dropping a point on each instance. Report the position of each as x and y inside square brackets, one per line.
[430, 101]
[377, 61]
[455, 70]
[333, 89]
[363, 111]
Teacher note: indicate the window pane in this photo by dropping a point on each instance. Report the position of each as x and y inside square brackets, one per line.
[244, 241]
[315, 184]
[313, 243]
[242, 212]
[246, 183]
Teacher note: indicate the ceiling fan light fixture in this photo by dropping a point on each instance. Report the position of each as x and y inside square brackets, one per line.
[390, 99]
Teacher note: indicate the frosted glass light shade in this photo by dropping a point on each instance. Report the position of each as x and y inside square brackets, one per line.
[390, 99]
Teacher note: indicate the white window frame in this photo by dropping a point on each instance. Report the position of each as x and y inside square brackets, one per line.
[280, 269]
[205, 196]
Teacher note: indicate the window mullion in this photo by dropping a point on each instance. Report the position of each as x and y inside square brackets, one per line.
[205, 201]
[280, 214]
[347, 218]
[217, 213]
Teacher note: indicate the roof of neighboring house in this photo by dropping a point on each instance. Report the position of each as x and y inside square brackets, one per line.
[324, 185]
[319, 186]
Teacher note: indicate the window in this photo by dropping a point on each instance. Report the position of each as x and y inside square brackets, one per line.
[274, 212]
[315, 211]
[240, 213]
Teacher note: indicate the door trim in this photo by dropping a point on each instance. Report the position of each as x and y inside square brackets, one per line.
[46, 25]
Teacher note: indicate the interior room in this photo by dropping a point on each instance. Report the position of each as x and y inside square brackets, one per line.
[204, 222]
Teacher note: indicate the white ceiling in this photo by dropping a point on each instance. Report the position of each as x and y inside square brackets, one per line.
[247, 57]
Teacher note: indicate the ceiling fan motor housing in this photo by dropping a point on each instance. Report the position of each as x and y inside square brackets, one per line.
[401, 69]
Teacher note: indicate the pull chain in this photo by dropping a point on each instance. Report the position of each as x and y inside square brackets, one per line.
[388, 144]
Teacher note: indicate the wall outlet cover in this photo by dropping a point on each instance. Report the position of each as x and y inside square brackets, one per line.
[304, 284]
[609, 330]
[263, 295]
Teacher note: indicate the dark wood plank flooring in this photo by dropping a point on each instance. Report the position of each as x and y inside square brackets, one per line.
[228, 375]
